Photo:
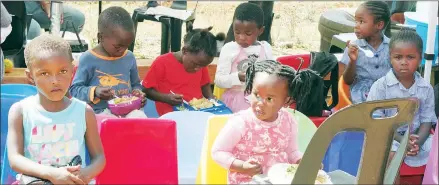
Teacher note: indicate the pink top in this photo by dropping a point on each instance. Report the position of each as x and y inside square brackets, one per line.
[431, 171]
[246, 137]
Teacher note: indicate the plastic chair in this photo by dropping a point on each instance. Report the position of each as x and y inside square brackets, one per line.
[139, 151]
[218, 92]
[209, 171]
[375, 154]
[8, 176]
[306, 129]
[431, 172]
[191, 126]
[150, 109]
[10, 94]
[345, 94]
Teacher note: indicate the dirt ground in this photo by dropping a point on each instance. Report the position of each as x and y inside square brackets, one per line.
[294, 29]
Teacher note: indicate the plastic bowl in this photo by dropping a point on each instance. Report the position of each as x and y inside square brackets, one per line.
[122, 109]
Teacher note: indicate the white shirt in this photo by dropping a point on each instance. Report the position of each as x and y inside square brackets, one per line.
[223, 76]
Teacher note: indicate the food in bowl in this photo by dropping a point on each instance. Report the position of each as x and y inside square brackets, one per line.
[202, 103]
[125, 99]
[283, 173]
[123, 105]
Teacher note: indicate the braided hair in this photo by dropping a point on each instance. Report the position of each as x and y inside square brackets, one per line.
[197, 40]
[302, 84]
[407, 35]
[379, 10]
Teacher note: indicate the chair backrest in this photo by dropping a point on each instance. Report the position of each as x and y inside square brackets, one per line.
[139, 151]
[306, 129]
[375, 149]
[209, 171]
[191, 128]
[295, 60]
[7, 174]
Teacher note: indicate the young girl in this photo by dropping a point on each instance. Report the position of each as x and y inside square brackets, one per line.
[183, 74]
[235, 56]
[361, 70]
[265, 134]
[402, 82]
[48, 128]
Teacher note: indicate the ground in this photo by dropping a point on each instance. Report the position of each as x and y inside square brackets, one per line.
[294, 28]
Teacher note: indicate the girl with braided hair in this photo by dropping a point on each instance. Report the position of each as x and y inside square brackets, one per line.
[361, 70]
[265, 134]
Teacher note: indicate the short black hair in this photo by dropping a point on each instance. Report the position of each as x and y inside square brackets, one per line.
[249, 12]
[115, 16]
[300, 84]
[407, 35]
[197, 40]
[379, 10]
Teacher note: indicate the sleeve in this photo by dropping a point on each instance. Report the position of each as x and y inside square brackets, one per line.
[293, 147]
[223, 76]
[134, 75]
[226, 141]
[345, 58]
[80, 88]
[205, 79]
[427, 109]
[156, 73]
[268, 50]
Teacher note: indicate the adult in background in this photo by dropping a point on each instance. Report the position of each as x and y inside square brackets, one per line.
[40, 11]
[6, 28]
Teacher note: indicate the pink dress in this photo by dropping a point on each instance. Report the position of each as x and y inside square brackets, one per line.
[431, 171]
[234, 97]
[246, 137]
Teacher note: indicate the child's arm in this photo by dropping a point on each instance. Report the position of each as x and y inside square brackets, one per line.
[206, 88]
[223, 76]
[23, 165]
[294, 155]
[350, 60]
[80, 88]
[95, 148]
[134, 76]
[427, 117]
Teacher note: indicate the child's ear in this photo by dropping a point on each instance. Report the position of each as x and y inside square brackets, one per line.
[184, 50]
[99, 35]
[381, 25]
[288, 102]
[261, 30]
[29, 76]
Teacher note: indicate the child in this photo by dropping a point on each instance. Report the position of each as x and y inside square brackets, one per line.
[361, 71]
[182, 75]
[402, 82]
[48, 128]
[109, 70]
[248, 24]
[265, 134]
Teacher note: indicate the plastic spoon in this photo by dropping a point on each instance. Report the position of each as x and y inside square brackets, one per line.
[184, 101]
[367, 52]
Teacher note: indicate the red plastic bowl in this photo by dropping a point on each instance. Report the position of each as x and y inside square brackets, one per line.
[122, 109]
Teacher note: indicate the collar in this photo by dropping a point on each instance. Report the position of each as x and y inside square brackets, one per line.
[363, 42]
[392, 80]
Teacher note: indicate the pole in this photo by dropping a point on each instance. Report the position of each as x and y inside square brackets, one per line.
[56, 10]
[431, 37]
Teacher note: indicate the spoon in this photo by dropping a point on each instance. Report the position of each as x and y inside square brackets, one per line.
[367, 52]
[184, 101]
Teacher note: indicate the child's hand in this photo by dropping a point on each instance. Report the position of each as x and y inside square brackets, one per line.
[352, 51]
[79, 173]
[140, 94]
[174, 99]
[413, 147]
[64, 176]
[241, 76]
[103, 93]
[251, 167]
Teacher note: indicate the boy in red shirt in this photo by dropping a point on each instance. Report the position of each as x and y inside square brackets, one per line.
[183, 73]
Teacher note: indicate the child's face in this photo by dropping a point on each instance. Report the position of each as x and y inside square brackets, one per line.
[365, 25]
[246, 33]
[193, 62]
[405, 59]
[116, 41]
[269, 95]
[52, 77]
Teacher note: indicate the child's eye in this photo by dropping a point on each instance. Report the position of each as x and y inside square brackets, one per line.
[63, 71]
[44, 73]
[269, 99]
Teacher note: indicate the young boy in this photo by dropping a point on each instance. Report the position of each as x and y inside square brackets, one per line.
[109, 70]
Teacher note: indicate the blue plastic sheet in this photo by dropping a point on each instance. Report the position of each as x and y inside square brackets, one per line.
[344, 152]
[218, 110]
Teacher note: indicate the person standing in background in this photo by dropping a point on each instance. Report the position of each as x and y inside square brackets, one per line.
[397, 9]
[6, 28]
[40, 11]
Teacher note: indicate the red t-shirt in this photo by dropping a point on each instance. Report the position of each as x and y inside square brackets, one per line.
[168, 74]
